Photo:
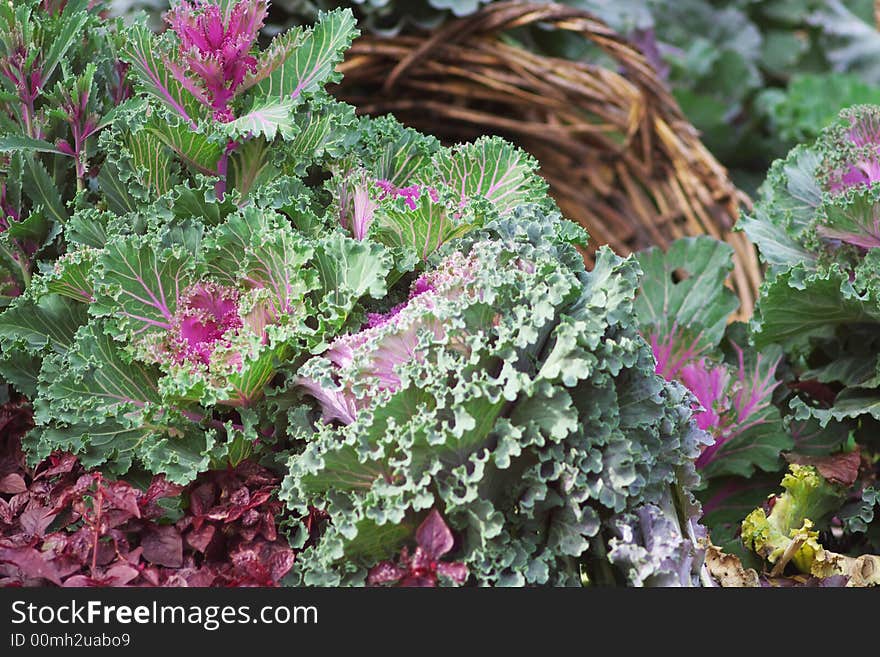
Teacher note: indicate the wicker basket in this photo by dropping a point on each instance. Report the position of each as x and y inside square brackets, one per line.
[616, 149]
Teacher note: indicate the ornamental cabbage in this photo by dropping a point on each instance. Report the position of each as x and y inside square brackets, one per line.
[510, 388]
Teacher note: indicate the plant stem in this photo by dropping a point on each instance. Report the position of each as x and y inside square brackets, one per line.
[99, 503]
[27, 115]
[21, 261]
[77, 157]
[222, 168]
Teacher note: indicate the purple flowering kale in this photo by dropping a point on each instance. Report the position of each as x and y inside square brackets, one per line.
[207, 312]
[857, 160]
[816, 226]
[221, 101]
[57, 98]
[215, 48]
[801, 382]
[389, 340]
[683, 311]
[730, 401]
[674, 351]
[479, 392]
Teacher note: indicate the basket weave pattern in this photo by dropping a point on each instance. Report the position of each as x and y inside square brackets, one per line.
[619, 155]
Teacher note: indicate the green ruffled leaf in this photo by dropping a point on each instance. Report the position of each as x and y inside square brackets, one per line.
[403, 152]
[252, 249]
[348, 270]
[30, 330]
[759, 447]
[423, 229]
[39, 187]
[73, 276]
[799, 304]
[98, 381]
[193, 147]
[154, 78]
[50, 322]
[138, 286]
[23, 143]
[151, 162]
[493, 421]
[298, 63]
[118, 198]
[683, 290]
[267, 118]
[493, 169]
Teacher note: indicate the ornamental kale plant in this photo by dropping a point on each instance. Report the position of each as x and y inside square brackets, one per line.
[799, 382]
[166, 304]
[404, 331]
[58, 94]
[510, 389]
[816, 228]
[683, 310]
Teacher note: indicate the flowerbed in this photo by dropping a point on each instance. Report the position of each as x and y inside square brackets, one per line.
[252, 339]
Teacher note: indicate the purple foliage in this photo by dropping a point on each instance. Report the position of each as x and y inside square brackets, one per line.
[864, 129]
[215, 45]
[422, 285]
[410, 193]
[650, 548]
[709, 384]
[732, 405]
[8, 212]
[356, 205]
[423, 567]
[83, 124]
[753, 392]
[206, 313]
[120, 88]
[863, 171]
[729, 401]
[859, 159]
[674, 351]
[63, 525]
[26, 76]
